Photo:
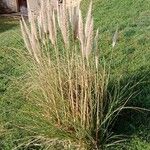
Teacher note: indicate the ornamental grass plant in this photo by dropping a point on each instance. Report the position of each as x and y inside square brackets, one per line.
[66, 85]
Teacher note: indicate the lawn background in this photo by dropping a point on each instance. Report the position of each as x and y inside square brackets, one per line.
[131, 59]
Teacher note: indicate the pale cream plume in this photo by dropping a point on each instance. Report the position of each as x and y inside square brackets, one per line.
[115, 38]
[64, 23]
[96, 48]
[88, 19]
[26, 38]
[51, 21]
[81, 32]
[89, 41]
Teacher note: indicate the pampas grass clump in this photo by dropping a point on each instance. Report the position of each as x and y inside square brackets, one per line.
[66, 84]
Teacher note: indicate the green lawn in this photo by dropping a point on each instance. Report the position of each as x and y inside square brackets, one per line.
[131, 59]
[9, 38]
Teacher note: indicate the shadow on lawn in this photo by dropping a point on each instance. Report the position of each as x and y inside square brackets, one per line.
[136, 122]
[7, 24]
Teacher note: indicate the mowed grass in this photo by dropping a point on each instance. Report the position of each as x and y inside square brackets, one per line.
[132, 17]
[10, 37]
[131, 59]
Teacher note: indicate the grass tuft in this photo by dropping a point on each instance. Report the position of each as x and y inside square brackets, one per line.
[67, 83]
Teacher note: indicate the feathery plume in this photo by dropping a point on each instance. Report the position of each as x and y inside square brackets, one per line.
[39, 24]
[44, 16]
[26, 38]
[81, 32]
[51, 23]
[115, 37]
[96, 48]
[54, 30]
[89, 41]
[33, 26]
[74, 18]
[64, 23]
[88, 19]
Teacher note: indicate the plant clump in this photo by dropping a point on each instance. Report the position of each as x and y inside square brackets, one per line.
[67, 83]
